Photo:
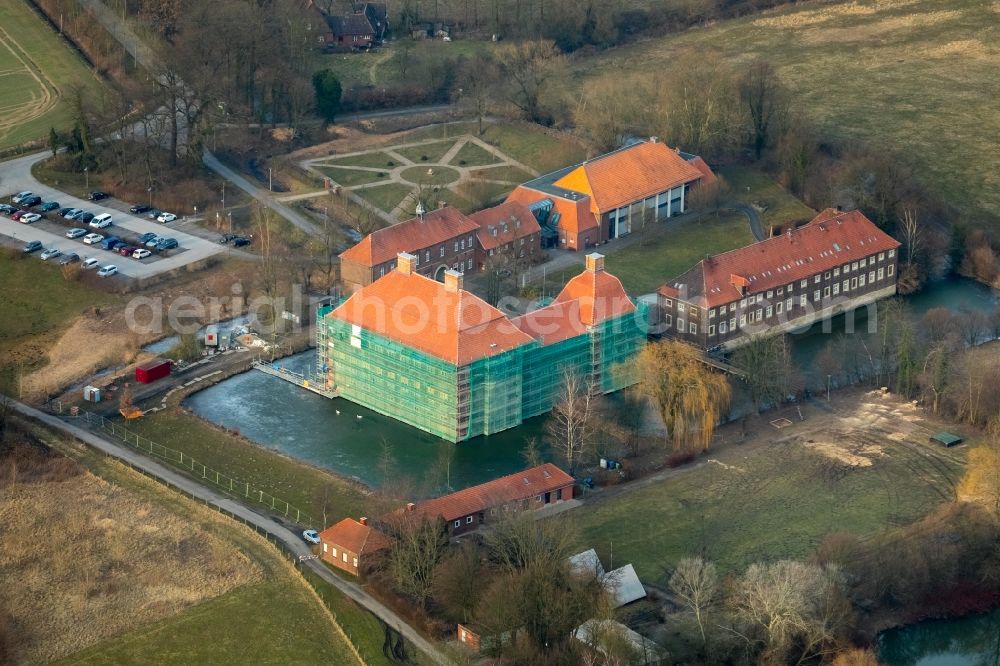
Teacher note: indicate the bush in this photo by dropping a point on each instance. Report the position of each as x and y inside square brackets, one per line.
[188, 349]
[678, 458]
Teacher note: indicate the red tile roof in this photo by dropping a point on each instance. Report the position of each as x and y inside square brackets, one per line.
[832, 238]
[351, 535]
[629, 174]
[574, 216]
[436, 227]
[519, 220]
[505, 490]
[455, 326]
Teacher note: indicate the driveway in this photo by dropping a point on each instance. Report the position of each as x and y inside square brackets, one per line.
[192, 488]
[16, 176]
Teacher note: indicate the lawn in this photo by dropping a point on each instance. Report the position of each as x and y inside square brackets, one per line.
[372, 160]
[38, 71]
[302, 486]
[385, 197]
[433, 152]
[436, 175]
[754, 187]
[352, 177]
[776, 499]
[473, 155]
[508, 174]
[668, 252]
[916, 75]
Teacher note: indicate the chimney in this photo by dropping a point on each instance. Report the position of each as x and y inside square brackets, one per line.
[405, 263]
[595, 262]
[410, 506]
[452, 280]
[363, 520]
[654, 139]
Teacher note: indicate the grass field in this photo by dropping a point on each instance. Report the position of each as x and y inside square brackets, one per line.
[38, 71]
[433, 152]
[753, 186]
[914, 75]
[385, 197]
[473, 155]
[372, 160]
[863, 468]
[351, 177]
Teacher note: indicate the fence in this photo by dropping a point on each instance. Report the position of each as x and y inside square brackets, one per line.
[232, 486]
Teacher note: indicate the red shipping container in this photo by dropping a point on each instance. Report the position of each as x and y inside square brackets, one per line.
[151, 371]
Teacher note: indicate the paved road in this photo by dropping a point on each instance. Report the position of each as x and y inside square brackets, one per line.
[266, 198]
[756, 226]
[16, 176]
[289, 538]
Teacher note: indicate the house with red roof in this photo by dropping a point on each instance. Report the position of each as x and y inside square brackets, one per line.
[608, 196]
[509, 232]
[468, 509]
[837, 262]
[439, 358]
[351, 544]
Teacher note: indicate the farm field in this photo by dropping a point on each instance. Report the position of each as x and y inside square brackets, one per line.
[38, 71]
[193, 588]
[864, 466]
[914, 75]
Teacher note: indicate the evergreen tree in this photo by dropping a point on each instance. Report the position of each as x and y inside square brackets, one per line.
[327, 89]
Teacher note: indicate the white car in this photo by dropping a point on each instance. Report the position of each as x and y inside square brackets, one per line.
[21, 196]
[100, 222]
[107, 271]
[141, 253]
[312, 536]
[166, 217]
[28, 218]
[50, 253]
[90, 263]
[92, 239]
[76, 232]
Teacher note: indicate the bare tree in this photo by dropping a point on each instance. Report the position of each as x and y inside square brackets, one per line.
[695, 583]
[770, 372]
[527, 67]
[765, 101]
[913, 235]
[417, 544]
[477, 81]
[570, 425]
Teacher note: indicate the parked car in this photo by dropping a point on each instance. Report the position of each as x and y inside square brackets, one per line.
[33, 246]
[139, 209]
[33, 200]
[28, 218]
[21, 196]
[312, 536]
[97, 195]
[92, 239]
[50, 253]
[76, 232]
[49, 205]
[154, 241]
[153, 213]
[241, 241]
[6, 209]
[126, 250]
[166, 217]
[117, 245]
[85, 217]
[70, 258]
[107, 271]
[72, 213]
[62, 211]
[141, 253]
[90, 263]
[102, 221]
[167, 244]
[110, 242]
[16, 215]
[145, 238]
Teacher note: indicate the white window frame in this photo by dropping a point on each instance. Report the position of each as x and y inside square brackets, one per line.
[693, 328]
[468, 520]
[668, 320]
[458, 523]
[890, 270]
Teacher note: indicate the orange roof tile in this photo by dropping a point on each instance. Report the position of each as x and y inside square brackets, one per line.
[498, 492]
[629, 174]
[707, 177]
[436, 227]
[574, 216]
[519, 220]
[455, 326]
[601, 296]
[829, 240]
[351, 535]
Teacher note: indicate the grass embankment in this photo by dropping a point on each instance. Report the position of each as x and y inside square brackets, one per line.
[37, 305]
[922, 79]
[138, 570]
[754, 187]
[302, 486]
[865, 468]
[40, 74]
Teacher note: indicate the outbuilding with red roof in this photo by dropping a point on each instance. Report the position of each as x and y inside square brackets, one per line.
[351, 544]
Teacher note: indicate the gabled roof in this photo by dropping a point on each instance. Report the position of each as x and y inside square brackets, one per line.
[436, 227]
[498, 492]
[832, 238]
[510, 215]
[575, 215]
[350, 24]
[351, 535]
[629, 174]
[587, 563]
[454, 326]
[624, 586]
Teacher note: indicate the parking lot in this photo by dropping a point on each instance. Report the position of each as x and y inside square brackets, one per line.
[51, 230]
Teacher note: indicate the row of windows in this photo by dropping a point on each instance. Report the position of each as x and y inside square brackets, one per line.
[343, 554]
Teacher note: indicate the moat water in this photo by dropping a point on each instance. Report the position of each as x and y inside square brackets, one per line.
[349, 440]
[966, 641]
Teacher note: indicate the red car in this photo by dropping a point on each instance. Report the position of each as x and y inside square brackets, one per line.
[127, 250]
[17, 215]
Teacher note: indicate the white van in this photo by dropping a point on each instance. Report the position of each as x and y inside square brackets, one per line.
[101, 221]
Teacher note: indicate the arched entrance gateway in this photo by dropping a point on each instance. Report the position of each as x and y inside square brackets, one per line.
[439, 273]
